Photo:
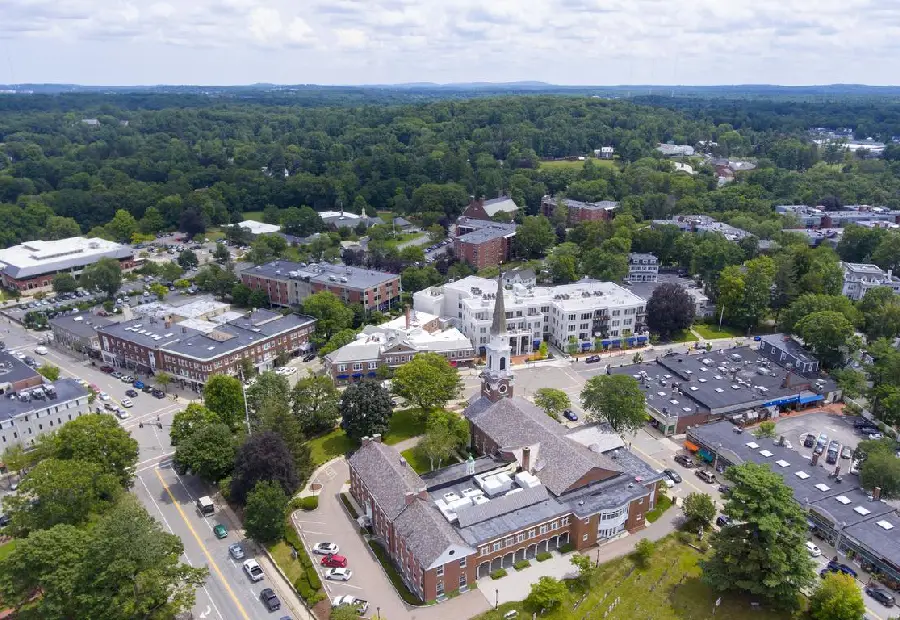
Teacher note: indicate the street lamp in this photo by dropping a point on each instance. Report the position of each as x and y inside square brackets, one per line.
[496, 598]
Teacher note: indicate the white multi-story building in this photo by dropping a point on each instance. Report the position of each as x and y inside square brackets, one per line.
[581, 313]
[642, 267]
[29, 413]
[859, 278]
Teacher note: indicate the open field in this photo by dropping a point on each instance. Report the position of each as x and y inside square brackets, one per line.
[578, 165]
[253, 215]
[714, 331]
[405, 423]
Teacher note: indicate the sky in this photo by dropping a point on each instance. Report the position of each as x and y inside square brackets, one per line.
[578, 42]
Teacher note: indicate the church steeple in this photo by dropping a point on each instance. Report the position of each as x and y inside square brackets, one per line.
[497, 378]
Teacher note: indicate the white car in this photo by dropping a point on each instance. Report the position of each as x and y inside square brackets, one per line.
[814, 551]
[103, 396]
[339, 574]
[122, 414]
[254, 570]
[286, 370]
[126, 402]
[325, 548]
[40, 350]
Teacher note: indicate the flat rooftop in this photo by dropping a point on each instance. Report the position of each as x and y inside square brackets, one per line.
[83, 324]
[484, 230]
[259, 228]
[13, 370]
[34, 258]
[66, 390]
[322, 273]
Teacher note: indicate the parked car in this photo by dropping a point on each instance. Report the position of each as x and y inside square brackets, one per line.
[159, 394]
[837, 567]
[724, 489]
[126, 402]
[253, 569]
[127, 379]
[146, 389]
[870, 434]
[834, 450]
[706, 476]
[855, 464]
[570, 415]
[30, 361]
[821, 443]
[272, 602]
[723, 520]
[138, 384]
[591, 359]
[672, 475]
[846, 452]
[813, 550]
[882, 595]
[309, 357]
[220, 531]
[684, 460]
[40, 350]
[338, 574]
[122, 414]
[325, 548]
[332, 560]
[131, 393]
[103, 396]
[236, 551]
[116, 374]
[809, 441]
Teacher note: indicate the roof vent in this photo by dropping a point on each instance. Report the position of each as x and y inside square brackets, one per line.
[885, 525]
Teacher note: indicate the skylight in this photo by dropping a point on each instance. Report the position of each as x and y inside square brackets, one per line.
[801, 474]
[720, 390]
[752, 445]
[783, 463]
[702, 380]
[765, 453]
[885, 525]
[862, 511]
[843, 499]
[823, 487]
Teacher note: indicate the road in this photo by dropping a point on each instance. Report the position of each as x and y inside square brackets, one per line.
[171, 499]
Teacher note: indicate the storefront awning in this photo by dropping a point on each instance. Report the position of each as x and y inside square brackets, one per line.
[691, 446]
[343, 376]
[811, 399]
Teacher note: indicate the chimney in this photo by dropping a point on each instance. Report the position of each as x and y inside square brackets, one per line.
[815, 459]
[366, 440]
[423, 494]
[407, 317]
[376, 437]
[526, 459]
[410, 497]
[876, 494]
[781, 440]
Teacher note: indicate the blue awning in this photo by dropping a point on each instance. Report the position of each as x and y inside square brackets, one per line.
[642, 338]
[536, 343]
[706, 456]
[782, 401]
[585, 346]
[357, 375]
[811, 399]
[371, 374]
[343, 376]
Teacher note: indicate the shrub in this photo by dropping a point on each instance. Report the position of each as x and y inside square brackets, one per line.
[522, 564]
[313, 577]
[543, 556]
[643, 551]
[566, 548]
[310, 502]
[500, 573]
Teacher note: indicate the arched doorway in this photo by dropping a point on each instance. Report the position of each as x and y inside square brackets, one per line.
[508, 560]
[564, 539]
[530, 552]
[520, 555]
[496, 564]
[542, 546]
[484, 569]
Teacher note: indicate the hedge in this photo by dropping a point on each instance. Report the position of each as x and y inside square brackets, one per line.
[500, 573]
[349, 506]
[309, 586]
[566, 548]
[310, 502]
[543, 556]
[522, 564]
[393, 575]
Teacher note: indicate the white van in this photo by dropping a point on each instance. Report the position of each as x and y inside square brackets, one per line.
[206, 506]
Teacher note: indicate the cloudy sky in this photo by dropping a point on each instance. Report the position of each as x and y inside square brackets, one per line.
[394, 41]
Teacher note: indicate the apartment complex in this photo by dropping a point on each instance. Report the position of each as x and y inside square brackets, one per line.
[483, 243]
[642, 267]
[859, 278]
[580, 211]
[819, 217]
[28, 413]
[533, 488]
[582, 313]
[30, 266]
[194, 349]
[394, 343]
[288, 283]
[702, 304]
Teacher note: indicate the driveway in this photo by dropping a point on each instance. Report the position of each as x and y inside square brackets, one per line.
[330, 522]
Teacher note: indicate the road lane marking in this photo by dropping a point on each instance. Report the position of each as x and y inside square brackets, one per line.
[203, 547]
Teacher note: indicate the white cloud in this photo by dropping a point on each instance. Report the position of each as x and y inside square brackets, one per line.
[350, 38]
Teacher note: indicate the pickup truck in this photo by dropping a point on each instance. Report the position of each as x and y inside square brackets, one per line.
[361, 606]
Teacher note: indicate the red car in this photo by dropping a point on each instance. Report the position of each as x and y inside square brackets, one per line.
[107, 369]
[334, 561]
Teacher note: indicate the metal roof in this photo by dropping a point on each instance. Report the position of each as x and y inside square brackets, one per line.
[34, 258]
[67, 390]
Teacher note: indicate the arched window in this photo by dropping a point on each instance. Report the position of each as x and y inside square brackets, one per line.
[502, 363]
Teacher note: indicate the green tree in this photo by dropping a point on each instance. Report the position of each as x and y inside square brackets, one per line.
[122, 226]
[60, 228]
[224, 395]
[263, 456]
[763, 551]
[699, 509]
[615, 399]
[163, 379]
[49, 371]
[275, 415]
[643, 551]
[445, 434]
[105, 275]
[315, 403]
[265, 512]
[881, 469]
[240, 295]
[552, 401]
[669, 310]
[586, 569]
[215, 280]
[97, 439]
[188, 420]
[837, 598]
[152, 222]
[268, 385]
[301, 222]
[808, 304]
[159, 290]
[187, 260]
[208, 452]
[830, 336]
[258, 299]
[365, 410]
[331, 314]
[428, 380]
[765, 429]
[852, 382]
[338, 340]
[64, 282]
[887, 253]
[563, 263]
[548, 593]
[221, 253]
[535, 236]
[436, 233]
[171, 271]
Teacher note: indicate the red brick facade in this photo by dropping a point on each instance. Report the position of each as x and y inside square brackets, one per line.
[284, 291]
[486, 254]
[45, 280]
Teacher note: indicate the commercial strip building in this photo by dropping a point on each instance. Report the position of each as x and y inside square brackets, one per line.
[483, 243]
[740, 384]
[582, 313]
[30, 266]
[27, 412]
[580, 211]
[394, 343]
[532, 488]
[642, 267]
[288, 283]
[194, 349]
[852, 519]
[675, 150]
[78, 332]
[859, 278]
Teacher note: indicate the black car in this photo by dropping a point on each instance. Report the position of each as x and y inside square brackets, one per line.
[684, 460]
[723, 520]
[809, 441]
[590, 359]
[882, 595]
[147, 389]
[837, 567]
[672, 475]
[309, 358]
[267, 596]
[131, 393]
[159, 394]
[30, 361]
[724, 489]
[570, 415]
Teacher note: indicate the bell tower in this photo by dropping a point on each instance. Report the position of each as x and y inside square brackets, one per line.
[497, 379]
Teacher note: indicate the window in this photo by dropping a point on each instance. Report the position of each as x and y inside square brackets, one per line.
[565, 520]
[440, 587]
[497, 545]
[544, 529]
[440, 571]
[357, 366]
[554, 525]
[342, 367]
[510, 541]
[584, 538]
[462, 563]
[520, 537]
[462, 580]
[531, 533]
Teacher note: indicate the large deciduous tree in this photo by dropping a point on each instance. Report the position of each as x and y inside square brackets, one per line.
[224, 396]
[552, 401]
[763, 551]
[881, 469]
[64, 282]
[104, 275]
[428, 380]
[809, 303]
[547, 593]
[268, 385]
[263, 456]
[699, 509]
[669, 310]
[208, 452]
[830, 336]
[315, 403]
[445, 434]
[97, 439]
[188, 420]
[535, 236]
[615, 399]
[331, 314]
[838, 597]
[365, 410]
[265, 512]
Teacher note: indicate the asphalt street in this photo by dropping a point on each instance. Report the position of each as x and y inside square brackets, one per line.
[171, 499]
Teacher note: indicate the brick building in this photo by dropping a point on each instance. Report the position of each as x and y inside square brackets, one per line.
[482, 209]
[483, 243]
[533, 488]
[580, 211]
[192, 354]
[288, 283]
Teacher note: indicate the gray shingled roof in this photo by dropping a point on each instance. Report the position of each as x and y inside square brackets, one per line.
[426, 532]
[387, 477]
[558, 462]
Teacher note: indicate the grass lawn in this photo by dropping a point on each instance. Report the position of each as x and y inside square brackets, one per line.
[421, 464]
[282, 554]
[578, 165]
[683, 336]
[714, 331]
[214, 234]
[668, 589]
[405, 423]
[253, 215]
[6, 549]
